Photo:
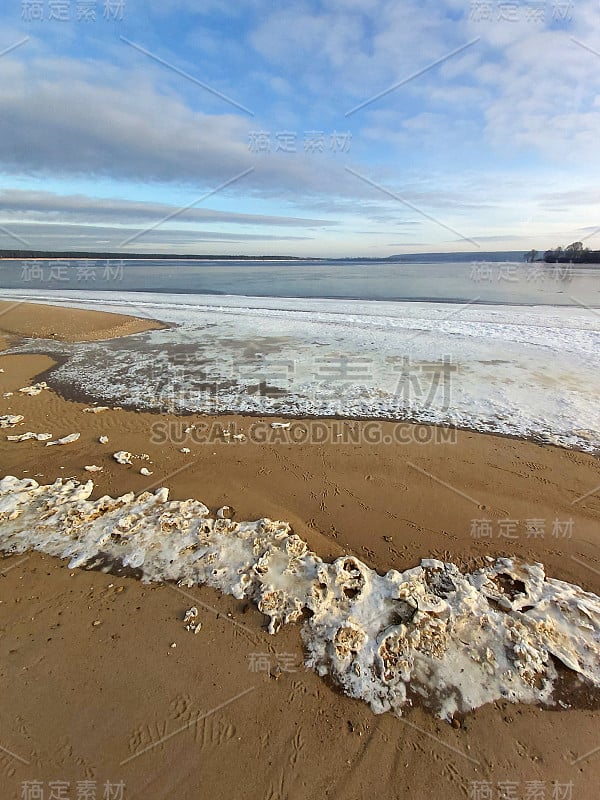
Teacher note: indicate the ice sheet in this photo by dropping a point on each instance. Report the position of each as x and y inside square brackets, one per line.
[525, 371]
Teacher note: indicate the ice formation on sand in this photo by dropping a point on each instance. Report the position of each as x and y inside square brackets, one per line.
[24, 437]
[72, 437]
[37, 388]
[191, 620]
[10, 420]
[456, 640]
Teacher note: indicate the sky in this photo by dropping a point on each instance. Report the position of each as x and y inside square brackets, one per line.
[358, 128]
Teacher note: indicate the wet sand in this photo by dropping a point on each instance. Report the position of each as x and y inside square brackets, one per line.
[231, 712]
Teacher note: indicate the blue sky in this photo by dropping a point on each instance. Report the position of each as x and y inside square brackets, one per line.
[339, 128]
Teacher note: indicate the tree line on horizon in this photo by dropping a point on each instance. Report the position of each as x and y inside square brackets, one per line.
[574, 253]
[49, 254]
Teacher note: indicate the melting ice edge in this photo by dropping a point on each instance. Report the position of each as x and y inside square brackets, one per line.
[455, 640]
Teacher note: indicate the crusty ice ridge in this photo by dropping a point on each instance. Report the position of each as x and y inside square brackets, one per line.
[456, 640]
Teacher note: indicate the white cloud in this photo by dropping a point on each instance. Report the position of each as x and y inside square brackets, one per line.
[42, 205]
[487, 129]
[543, 99]
[64, 117]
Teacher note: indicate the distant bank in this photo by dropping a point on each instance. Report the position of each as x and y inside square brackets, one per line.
[6, 254]
[462, 257]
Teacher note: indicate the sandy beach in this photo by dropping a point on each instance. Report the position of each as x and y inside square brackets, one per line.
[101, 682]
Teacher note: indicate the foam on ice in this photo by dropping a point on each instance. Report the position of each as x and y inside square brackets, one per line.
[456, 640]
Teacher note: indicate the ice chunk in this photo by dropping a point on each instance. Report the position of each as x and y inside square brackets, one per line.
[191, 620]
[72, 437]
[9, 420]
[36, 388]
[23, 437]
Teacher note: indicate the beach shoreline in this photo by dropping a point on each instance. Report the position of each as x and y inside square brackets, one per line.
[388, 504]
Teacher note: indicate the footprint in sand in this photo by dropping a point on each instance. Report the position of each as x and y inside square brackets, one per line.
[297, 748]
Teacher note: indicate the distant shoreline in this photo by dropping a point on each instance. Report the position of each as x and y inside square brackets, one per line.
[461, 256]
[39, 255]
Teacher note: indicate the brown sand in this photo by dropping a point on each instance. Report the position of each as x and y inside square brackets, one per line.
[114, 701]
[44, 322]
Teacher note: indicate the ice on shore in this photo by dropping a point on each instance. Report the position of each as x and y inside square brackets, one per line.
[72, 437]
[123, 457]
[36, 388]
[455, 640]
[523, 371]
[23, 437]
[191, 620]
[10, 420]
